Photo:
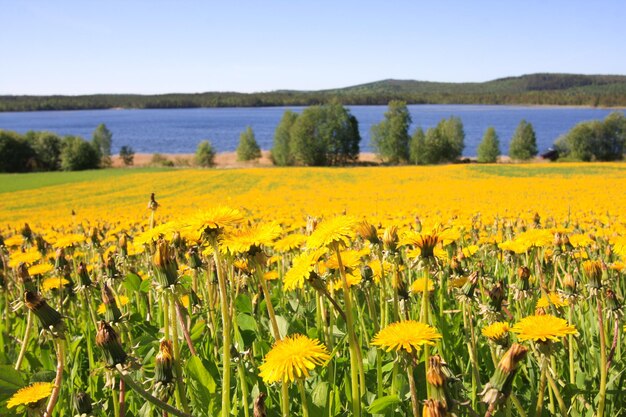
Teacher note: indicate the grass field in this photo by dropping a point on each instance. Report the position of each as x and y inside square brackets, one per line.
[489, 290]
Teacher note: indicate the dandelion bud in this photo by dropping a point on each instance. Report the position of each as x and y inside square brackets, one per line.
[110, 268]
[109, 342]
[390, 238]
[435, 376]
[613, 304]
[496, 296]
[311, 224]
[593, 271]
[418, 224]
[48, 316]
[93, 236]
[112, 313]
[22, 273]
[259, 405]
[558, 240]
[122, 242]
[83, 275]
[82, 403]
[569, 284]
[60, 263]
[26, 232]
[164, 261]
[152, 204]
[368, 232]
[367, 274]
[470, 285]
[434, 408]
[164, 361]
[523, 274]
[499, 387]
[194, 260]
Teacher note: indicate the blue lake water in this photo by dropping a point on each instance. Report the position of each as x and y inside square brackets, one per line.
[180, 130]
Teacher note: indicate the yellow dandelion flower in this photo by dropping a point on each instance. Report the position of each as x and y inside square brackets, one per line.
[408, 335]
[552, 298]
[215, 218]
[580, 241]
[28, 257]
[457, 282]
[162, 231]
[66, 241]
[418, 285]
[15, 240]
[470, 250]
[53, 283]
[301, 267]
[542, 328]
[618, 266]
[353, 278]
[240, 241]
[340, 230]
[271, 275]
[31, 395]
[122, 300]
[496, 331]
[40, 269]
[351, 260]
[290, 242]
[292, 358]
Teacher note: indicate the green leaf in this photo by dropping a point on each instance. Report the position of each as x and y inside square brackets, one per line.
[246, 322]
[197, 330]
[243, 304]
[10, 381]
[145, 285]
[202, 385]
[381, 404]
[319, 395]
[283, 326]
[132, 282]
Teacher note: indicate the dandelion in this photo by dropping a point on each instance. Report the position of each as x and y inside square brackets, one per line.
[407, 335]
[552, 298]
[40, 269]
[301, 269]
[418, 285]
[32, 395]
[542, 328]
[244, 240]
[292, 358]
[336, 231]
[497, 332]
[54, 283]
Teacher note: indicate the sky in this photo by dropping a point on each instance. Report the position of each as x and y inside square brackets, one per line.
[152, 46]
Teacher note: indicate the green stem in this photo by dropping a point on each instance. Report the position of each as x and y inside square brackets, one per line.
[305, 405]
[29, 326]
[603, 370]
[352, 341]
[570, 349]
[557, 394]
[180, 387]
[244, 388]
[518, 405]
[54, 396]
[146, 395]
[541, 391]
[226, 337]
[414, 400]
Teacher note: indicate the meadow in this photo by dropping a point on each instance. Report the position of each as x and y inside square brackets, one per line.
[428, 291]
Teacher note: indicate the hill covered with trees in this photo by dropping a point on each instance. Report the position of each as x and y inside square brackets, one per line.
[533, 89]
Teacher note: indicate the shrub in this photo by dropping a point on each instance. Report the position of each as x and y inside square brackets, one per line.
[442, 143]
[417, 147]
[390, 138]
[595, 140]
[248, 148]
[523, 145]
[205, 154]
[161, 160]
[489, 148]
[127, 155]
[77, 154]
[16, 154]
[281, 149]
[102, 139]
[47, 147]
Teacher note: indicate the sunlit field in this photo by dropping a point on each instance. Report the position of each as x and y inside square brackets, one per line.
[427, 291]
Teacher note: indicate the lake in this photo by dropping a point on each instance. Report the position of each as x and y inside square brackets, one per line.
[180, 130]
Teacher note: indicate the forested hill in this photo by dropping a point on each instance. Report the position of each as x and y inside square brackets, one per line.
[533, 89]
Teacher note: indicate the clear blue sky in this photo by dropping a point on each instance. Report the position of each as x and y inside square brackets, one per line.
[152, 46]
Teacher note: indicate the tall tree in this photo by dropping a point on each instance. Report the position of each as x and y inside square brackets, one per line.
[417, 148]
[102, 139]
[248, 148]
[523, 145]
[489, 148]
[390, 138]
[281, 149]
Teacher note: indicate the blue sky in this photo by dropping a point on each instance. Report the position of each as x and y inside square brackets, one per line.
[134, 46]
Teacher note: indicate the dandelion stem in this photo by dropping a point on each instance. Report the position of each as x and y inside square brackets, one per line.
[60, 348]
[540, 391]
[180, 387]
[517, 405]
[146, 395]
[613, 345]
[305, 405]
[244, 388]
[557, 394]
[122, 397]
[29, 327]
[603, 362]
[414, 400]
[183, 326]
[226, 341]
[570, 349]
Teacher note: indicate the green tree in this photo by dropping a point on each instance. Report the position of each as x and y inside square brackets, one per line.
[595, 140]
[417, 147]
[444, 142]
[16, 153]
[127, 155]
[205, 154]
[281, 149]
[390, 138]
[77, 154]
[47, 147]
[324, 135]
[489, 148]
[248, 148]
[102, 139]
[523, 144]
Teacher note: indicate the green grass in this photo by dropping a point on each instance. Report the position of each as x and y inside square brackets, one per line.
[564, 170]
[31, 181]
